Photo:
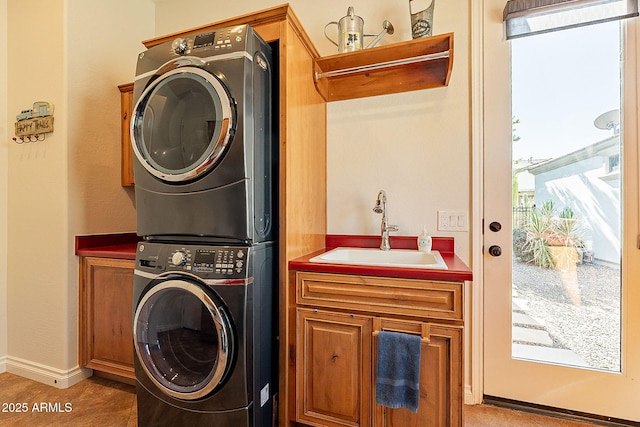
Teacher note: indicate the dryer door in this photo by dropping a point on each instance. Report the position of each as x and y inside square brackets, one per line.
[183, 338]
[182, 124]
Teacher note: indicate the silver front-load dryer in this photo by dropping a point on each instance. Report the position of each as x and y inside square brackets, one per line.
[203, 335]
[202, 137]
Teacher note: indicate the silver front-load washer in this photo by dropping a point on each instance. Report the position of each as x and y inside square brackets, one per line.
[203, 335]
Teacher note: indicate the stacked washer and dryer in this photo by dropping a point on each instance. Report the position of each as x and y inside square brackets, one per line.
[206, 268]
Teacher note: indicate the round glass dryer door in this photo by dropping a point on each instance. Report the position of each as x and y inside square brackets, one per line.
[182, 124]
[183, 339]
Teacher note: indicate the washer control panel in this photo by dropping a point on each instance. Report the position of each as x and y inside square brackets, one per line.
[215, 262]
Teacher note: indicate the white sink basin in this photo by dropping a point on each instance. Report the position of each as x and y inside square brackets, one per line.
[404, 258]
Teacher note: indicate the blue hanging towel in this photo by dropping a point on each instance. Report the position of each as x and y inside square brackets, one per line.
[398, 378]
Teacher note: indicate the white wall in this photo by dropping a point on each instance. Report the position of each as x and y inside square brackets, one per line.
[72, 53]
[416, 145]
[102, 45]
[37, 274]
[4, 175]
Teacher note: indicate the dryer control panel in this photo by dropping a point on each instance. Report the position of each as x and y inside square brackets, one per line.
[218, 41]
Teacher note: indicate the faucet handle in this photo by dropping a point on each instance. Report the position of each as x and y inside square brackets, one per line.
[392, 228]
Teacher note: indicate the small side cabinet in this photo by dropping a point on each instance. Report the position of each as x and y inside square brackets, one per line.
[106, 337]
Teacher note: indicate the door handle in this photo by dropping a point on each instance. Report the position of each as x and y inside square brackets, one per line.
[495, 250]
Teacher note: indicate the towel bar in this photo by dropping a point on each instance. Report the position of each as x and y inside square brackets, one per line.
[425, 329]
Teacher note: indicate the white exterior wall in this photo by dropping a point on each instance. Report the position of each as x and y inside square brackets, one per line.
[596, 202]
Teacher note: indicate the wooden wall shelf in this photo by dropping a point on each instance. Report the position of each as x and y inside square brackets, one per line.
[400, 67]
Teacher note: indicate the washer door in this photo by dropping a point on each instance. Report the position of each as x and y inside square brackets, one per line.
[182, 124]
[183, 338]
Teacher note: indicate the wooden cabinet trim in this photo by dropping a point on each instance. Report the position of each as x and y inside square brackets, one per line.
[126, 154]
[403, 297]
[266, 22]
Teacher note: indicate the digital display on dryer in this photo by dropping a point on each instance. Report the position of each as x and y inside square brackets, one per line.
[204, 257]
[203, 40]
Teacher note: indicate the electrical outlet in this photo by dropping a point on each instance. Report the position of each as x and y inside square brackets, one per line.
[452, 221]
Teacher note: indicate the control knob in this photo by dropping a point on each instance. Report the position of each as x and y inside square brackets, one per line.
[179, 258]
[179, 46]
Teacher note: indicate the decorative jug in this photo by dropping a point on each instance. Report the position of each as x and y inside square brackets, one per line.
[351, 32]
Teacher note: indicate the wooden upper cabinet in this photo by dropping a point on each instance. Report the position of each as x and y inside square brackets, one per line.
[126, 159]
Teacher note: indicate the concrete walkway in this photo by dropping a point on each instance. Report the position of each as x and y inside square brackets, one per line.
[531, 341]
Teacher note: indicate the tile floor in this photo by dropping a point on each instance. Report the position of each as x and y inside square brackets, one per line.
[98, 402]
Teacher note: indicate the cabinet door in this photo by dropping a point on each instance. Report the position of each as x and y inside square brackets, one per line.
[333, 360]
[106, 335]
[440, 378]
[126, 159]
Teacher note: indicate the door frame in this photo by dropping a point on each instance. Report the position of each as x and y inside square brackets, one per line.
[475, 385]
[474, 390]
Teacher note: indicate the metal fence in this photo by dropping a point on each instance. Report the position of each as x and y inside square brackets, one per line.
[520, 216]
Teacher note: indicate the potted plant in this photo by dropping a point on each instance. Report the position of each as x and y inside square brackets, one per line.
[565, 240]
[554, 240]
[535, 249]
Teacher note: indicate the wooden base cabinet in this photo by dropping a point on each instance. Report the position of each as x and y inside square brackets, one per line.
[334, 368]
[106, 333]
[440, 401]
[336, 359]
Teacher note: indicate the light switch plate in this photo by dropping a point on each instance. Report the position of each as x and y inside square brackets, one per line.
[453, 221]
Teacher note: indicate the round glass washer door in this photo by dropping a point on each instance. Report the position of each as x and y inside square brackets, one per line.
[182, 124]
[183, 339]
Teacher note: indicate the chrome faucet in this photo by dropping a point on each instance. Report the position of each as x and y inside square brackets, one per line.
[385, 228]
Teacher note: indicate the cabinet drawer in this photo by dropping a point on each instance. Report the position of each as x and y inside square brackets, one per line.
[384, 295]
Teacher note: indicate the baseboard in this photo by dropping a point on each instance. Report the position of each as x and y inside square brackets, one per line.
[469, 398]
[46, 374]
[3, 364]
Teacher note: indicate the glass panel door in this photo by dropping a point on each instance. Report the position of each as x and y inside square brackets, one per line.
[566, 155]
[561, 177]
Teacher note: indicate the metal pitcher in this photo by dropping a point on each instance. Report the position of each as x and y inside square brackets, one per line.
[351, 32]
